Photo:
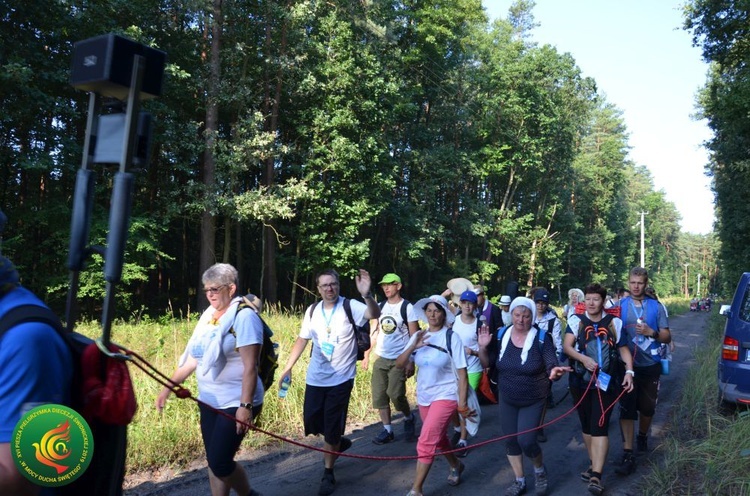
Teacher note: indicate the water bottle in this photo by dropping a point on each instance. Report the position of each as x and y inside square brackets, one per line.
[641, 337]
[285, 382]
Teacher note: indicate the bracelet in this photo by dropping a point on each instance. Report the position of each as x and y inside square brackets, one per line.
[463, 410]
[632, 373]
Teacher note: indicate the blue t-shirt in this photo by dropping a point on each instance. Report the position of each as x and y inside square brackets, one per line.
[35, 365]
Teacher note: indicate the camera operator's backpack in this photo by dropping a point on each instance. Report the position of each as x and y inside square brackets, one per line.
[101, 391]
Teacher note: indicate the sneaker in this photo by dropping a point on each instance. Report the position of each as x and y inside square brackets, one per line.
[540, 482]
[462, 443]
[327, 485]
[627, 466]
[409, 429]
[641, 442]
[516, 489]
[344, 444]
[384, 437]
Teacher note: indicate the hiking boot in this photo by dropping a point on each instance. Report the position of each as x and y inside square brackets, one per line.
[627, 466]
[409, 429]
[641, 442]
[344, 444]
[540, 482]
[462, 443]
[384, 437]
[327, 485]
[516, 489]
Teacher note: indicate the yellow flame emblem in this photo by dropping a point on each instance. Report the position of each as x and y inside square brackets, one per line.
[53, 447]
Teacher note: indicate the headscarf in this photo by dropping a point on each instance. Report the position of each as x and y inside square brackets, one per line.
[522, 301]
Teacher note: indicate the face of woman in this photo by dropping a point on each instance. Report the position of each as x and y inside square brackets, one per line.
[219, 295]
[435, 315]
[521, 318]
[594, 303]
[574, 298]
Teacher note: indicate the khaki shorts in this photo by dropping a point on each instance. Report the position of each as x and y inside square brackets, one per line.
[388, 385]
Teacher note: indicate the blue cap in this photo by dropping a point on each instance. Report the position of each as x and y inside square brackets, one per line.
[469, 295]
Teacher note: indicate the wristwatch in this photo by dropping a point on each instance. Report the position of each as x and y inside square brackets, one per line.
[249, 406]
[632, 373]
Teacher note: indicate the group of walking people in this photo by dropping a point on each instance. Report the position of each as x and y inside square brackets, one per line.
[608, 359]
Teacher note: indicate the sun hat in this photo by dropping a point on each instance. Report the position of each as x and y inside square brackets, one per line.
[390, 278]
[439, 300]
[458, 286]
[468, 295]
[254, 302]
[505, 300]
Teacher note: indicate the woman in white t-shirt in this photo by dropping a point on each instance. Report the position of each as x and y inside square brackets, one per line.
[465, 327]
[437, 395]
[223, 352]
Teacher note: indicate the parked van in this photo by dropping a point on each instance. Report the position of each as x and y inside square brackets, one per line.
[734, 362]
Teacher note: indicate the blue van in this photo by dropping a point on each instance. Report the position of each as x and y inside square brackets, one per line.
[734, 362]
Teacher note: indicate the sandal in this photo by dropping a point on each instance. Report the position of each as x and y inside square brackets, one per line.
[595, 486]
[586, 476]
[413, 493]
[455, 475]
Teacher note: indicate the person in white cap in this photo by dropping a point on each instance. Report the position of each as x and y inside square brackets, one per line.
[504, 304]
[526, 366]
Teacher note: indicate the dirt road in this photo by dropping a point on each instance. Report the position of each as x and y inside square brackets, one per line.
[293, 471]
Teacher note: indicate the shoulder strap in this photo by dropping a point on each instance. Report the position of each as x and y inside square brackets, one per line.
[30, 313]
[404, 315]
[550, 325]
[348, 310]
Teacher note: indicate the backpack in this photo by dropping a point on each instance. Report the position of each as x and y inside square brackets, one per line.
[101, 392]
[268, 361]
[361, 333]
[404, 316]
[603, 331]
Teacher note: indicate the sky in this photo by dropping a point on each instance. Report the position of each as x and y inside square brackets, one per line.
[644, 64]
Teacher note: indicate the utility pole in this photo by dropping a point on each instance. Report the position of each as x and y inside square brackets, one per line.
[686, 279]
[699, 285]
[643, 249]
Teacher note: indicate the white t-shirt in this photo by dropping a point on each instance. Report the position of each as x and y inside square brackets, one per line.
[468, 335]
[435, 377]
[342, 364]
[394, 332]
[225, 390]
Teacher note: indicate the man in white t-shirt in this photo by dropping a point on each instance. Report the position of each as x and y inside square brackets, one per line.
[333, 364]
[390, 339]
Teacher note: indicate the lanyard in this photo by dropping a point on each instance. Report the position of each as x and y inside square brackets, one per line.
[599, 343]
[638, 315]
[328, 317]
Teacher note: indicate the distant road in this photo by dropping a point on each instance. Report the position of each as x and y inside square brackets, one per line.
[293, 471]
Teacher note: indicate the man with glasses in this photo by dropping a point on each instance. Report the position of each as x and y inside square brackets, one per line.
[396, 325]
[333, 363]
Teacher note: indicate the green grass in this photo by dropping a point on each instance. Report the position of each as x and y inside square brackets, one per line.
[705, 452]
[172, 439]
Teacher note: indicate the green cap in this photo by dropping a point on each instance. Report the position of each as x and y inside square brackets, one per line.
[390, 279]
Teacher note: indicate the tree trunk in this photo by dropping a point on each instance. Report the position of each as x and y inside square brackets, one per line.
[208, 223]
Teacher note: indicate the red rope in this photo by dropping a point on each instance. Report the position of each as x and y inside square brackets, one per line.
[184, 393]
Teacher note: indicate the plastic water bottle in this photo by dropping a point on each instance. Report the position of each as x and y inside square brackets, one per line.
[285, 382]
[641, 337]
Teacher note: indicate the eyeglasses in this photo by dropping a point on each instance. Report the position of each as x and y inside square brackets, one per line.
[328, 286]
[213, 291]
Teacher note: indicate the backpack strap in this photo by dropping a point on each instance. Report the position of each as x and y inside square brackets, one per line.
[404, 313]
[30, 313]
[348, 310]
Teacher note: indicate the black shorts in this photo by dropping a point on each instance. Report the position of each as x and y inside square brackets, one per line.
[325, 410]
[642, 399]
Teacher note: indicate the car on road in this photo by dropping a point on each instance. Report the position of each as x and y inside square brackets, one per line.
[734, 362]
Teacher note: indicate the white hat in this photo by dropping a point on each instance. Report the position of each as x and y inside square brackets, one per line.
[439, 300]
[522, 301]
[458, 286]
[505, 300]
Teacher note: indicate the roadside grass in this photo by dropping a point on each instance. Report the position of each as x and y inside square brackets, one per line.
[704, 452]
[172, 439]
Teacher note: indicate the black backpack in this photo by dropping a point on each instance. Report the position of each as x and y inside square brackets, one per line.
[268, 361]
[604, 331]
[361, 333]
[106, 471]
